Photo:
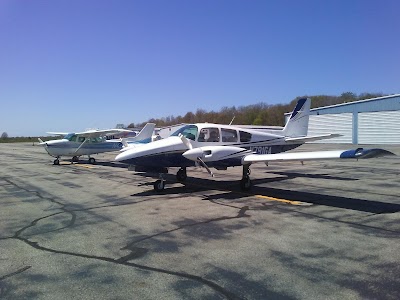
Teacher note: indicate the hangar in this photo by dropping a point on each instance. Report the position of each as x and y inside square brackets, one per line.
[370, 121]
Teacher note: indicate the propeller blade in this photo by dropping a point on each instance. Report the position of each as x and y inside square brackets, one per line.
[205, 166]
[185, 141]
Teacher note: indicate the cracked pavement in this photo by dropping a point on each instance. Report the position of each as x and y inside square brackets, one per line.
[322, 230]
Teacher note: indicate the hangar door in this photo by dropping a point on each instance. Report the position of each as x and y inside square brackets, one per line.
[381, 127]
[332, 123]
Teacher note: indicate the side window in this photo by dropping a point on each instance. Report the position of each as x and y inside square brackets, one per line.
[81, 139]
[245, 136]
[209, 135]
[228, 135]
[73, 138]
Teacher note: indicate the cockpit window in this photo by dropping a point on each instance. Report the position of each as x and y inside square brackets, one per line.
[209, 135]
[188, 131]
[70, 137]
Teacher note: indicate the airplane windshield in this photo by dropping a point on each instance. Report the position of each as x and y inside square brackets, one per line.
[188, 131]
[70, 137]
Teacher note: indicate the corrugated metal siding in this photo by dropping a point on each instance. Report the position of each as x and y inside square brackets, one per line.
[335, 123]
[381, 127]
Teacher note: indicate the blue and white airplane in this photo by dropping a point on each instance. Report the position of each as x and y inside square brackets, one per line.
[222, 146]
[92, 142]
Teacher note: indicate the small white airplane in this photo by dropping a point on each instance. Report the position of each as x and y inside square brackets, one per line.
[92, 142]
[222, 146]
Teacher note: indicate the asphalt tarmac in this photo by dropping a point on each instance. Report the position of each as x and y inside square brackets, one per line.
[322, 230]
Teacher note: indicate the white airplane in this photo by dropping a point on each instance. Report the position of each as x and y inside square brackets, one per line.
[222, 146]
[92, 142]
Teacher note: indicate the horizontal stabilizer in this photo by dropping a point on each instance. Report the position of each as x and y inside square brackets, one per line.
[317, 155]
[312, 138]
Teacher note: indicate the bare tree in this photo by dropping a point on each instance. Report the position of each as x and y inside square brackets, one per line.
[4, 135]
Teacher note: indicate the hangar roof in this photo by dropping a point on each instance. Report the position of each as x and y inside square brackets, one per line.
[385, 103]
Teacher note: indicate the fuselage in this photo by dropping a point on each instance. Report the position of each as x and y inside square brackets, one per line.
[168, 152]
[72, 145]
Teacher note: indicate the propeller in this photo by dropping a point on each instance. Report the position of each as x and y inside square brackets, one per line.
[185, 141]
[203, 164]
[198, 159]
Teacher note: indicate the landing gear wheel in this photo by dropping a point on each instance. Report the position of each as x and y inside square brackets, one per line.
[75, 159]
[56, 162]
[181, 175]
[245, 183]
[92, 161]
[159, 185]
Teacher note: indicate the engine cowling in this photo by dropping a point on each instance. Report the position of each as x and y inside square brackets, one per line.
[214, 153]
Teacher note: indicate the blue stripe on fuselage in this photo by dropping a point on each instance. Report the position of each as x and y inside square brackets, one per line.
[176, 159]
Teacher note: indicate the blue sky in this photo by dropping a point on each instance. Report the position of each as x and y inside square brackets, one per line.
[69, 65]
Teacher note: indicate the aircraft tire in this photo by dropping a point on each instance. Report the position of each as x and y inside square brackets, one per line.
[245, 184]
[159, 185]
[181, 176]
[75, 159]
[92, 161]
[56, 162]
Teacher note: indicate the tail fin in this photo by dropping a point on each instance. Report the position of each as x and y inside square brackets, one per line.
[297, 126]
[144, 136]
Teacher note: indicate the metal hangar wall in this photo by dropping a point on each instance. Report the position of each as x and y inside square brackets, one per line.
[370, 121]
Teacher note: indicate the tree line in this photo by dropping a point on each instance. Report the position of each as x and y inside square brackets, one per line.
[255, 114]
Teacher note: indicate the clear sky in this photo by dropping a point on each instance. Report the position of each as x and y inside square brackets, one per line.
[69, 65]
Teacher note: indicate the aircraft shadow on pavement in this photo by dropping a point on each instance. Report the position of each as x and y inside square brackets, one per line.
[230, 190]
[290, 175]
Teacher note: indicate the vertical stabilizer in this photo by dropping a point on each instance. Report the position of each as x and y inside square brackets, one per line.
[297, 126]
[144, 136]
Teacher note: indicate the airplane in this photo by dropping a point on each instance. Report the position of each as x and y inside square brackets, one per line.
[92, 142]
[222, 146]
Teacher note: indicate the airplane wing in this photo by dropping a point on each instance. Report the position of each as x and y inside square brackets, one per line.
[58, 133]
[99, 133]
[359, 153]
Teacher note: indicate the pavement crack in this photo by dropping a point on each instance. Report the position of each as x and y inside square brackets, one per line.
[15, 272]
[227, 294]
[241, 214]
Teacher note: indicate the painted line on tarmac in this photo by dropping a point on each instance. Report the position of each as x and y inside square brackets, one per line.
[292, 202]
[84, 166]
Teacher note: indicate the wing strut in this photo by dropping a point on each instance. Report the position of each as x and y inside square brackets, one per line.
[80, 146]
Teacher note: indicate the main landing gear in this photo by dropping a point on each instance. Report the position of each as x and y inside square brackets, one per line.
[74, 159]
[181, 176]
[245, 182]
